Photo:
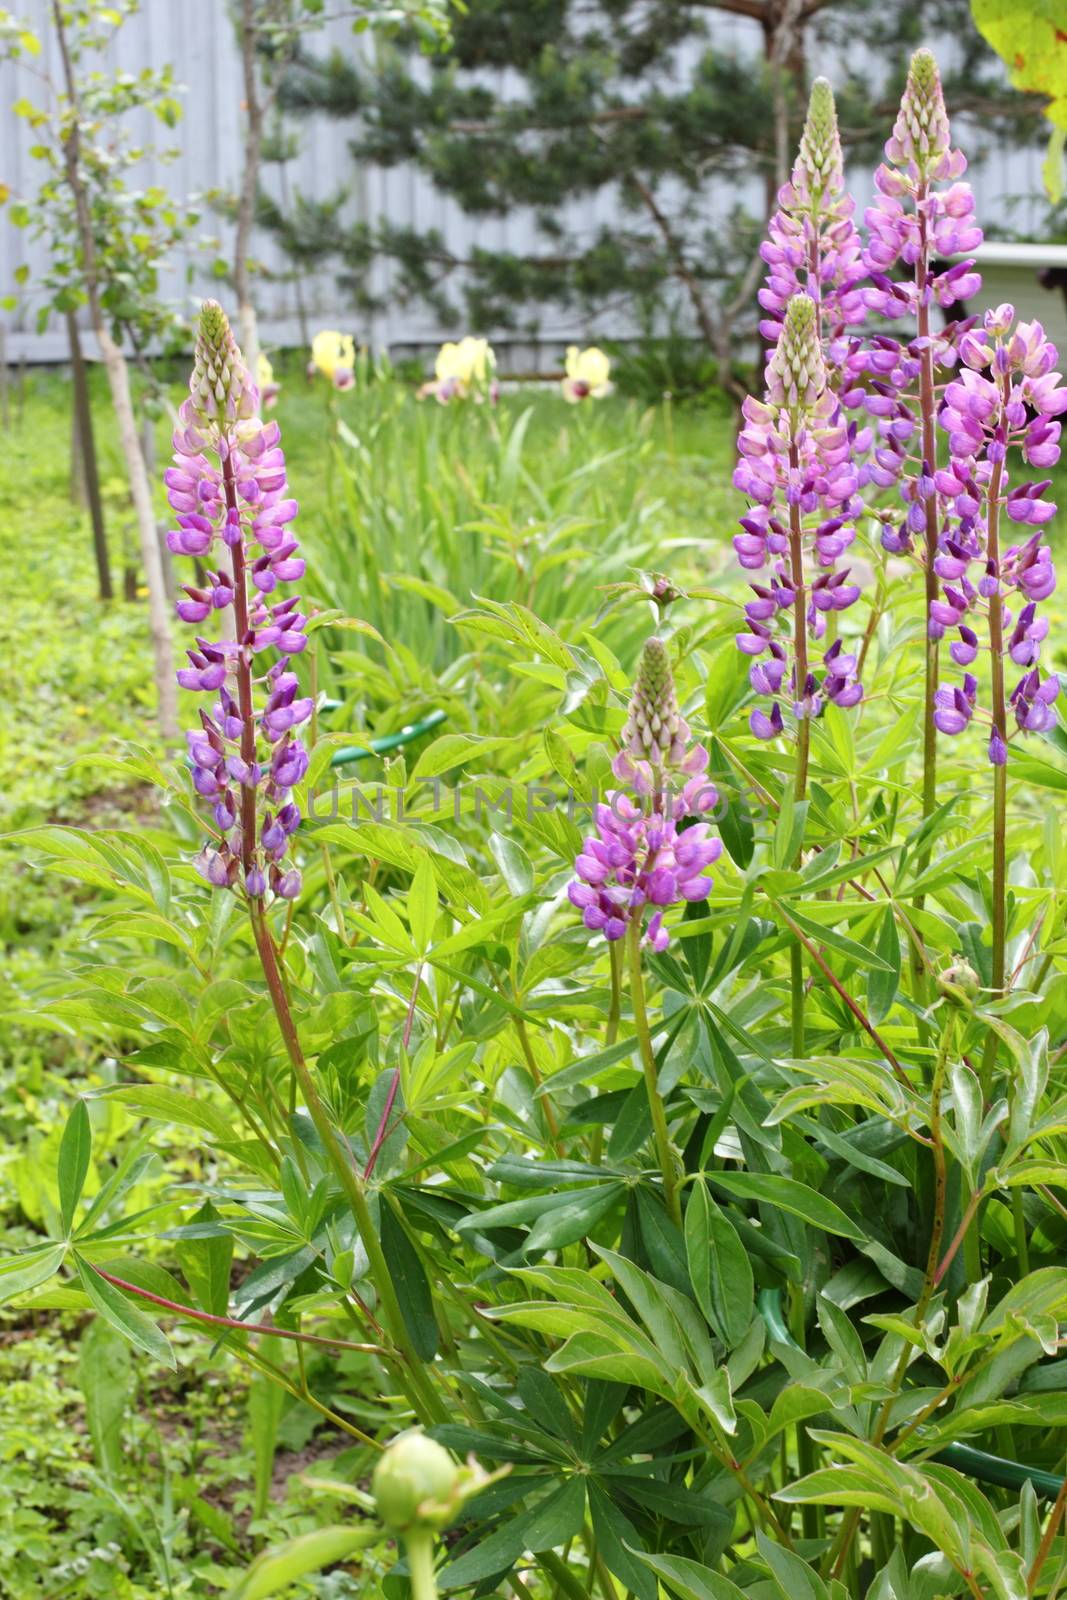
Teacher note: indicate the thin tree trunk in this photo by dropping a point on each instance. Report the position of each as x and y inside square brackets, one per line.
[84, 468]
[119, 383]
[141, 493]
[77, 464]
[246, 204]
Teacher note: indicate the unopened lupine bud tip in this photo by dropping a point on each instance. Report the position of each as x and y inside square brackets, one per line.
[921, 131]
[819, 156]
[653, 722]
[797, 372]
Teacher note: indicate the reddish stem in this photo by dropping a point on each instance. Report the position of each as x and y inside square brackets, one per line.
[383, 1125]
[211, 1320]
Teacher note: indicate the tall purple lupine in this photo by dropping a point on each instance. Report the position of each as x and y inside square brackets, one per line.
[812, 245]
[797, 468]
[648, 852]
[923, 213]
[228, 488]
[1007, 397]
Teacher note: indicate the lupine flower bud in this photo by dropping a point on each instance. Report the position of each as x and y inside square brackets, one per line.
[812, 245]
[796, 372]
[652, 725]
[921, 133]
[220, 388]
[819, 157]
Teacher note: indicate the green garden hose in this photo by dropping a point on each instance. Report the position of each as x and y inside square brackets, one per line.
[388, 741]
[973, 1463]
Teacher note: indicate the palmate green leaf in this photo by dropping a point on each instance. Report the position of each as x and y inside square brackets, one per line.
[569, 1223]
[166, 1104]
[21, 1273]
[593, 1355]
[689, 1580]
[410, 1282]
[105, 1376]
[276, 1570]
[795, 1578]
[552, 1523]
[823, 934]
[422, 904]
[75, 1152]
[133, 1324]
[206, 1261]
[619, 1544]
[787, 1194]
[937, 1501]
[719, 1267]
[650, 1301]
[453, 750]
[882, 985]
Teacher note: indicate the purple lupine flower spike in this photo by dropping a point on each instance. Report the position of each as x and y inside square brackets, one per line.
[812, 244]
[1007, 398]
[922, 213]
[229, 493]
[796, 465]
[648, 852]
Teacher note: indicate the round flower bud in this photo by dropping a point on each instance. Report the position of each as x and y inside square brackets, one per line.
[959, 983]
[416, 1484]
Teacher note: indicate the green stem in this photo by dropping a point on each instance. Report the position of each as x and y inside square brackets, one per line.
[648, 1062]
[420, 1392]
[927, 412]
[800, 780]
[562, 1576]
[931, 670]
[812, 1518]
[611, 1032]
[840, 1552]
[796, 1001]
[937, 1229]
[1022, 1245]
[999, 710]
[419, 1547]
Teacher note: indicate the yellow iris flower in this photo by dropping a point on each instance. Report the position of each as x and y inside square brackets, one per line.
[587, 374]
[461, 369]
[334, 355]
